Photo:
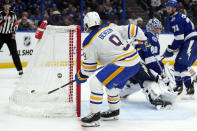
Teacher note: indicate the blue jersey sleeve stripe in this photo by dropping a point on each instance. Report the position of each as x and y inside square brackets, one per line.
[89, 70]
[95, 102]
[136, 31]
[113, 96]
[129, 31]
[98, 94]
[89, 63]
[113, 102]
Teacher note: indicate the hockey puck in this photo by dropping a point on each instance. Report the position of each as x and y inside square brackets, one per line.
[59, 75]
[32, 91]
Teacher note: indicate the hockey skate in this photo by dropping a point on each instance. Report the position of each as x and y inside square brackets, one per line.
[20, 73]
[190, 90]
[110, 115]
[92, 120]
[178, 89]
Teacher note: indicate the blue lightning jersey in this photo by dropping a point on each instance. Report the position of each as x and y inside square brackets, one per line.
[183, 30]
[151, 56]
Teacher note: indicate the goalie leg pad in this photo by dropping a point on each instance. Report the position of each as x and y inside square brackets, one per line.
[129, 89]
[158, 93]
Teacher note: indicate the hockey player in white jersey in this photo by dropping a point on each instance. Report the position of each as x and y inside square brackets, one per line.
[105, 43]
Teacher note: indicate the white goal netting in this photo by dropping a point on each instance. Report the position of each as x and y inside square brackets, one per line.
[56, 59]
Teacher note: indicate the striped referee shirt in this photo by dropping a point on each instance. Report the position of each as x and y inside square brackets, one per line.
[10, 25]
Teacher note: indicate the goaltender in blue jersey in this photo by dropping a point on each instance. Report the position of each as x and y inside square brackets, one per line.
[185, 43]
[151, 56]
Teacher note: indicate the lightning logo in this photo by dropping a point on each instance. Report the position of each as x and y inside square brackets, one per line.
[190, 48]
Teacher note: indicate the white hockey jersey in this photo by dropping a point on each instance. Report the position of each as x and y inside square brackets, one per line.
[108, 45]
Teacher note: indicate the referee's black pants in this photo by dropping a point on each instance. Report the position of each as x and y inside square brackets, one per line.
[11, 43]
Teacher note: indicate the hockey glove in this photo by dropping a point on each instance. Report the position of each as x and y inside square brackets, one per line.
[141, 45]
[80, 78]
[169, 52]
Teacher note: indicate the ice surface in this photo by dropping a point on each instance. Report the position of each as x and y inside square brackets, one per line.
[135, 115]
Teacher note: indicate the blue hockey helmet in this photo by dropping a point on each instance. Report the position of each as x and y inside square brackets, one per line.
[153, 23]
[172, 3]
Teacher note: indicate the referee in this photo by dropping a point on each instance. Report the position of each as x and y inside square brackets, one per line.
[8, 26]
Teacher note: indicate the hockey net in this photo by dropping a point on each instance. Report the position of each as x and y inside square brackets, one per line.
[56, 59]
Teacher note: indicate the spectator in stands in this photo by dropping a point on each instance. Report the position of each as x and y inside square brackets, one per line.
[132, 19]
[127, 13]
[108, 10]
[140, 23]
[182, 9]
[115, 21]
[77, 19]
[32, 5]
[144, 4]
[64, 13]
[67, 21]
[88, 9]
[155, 6]
[36, 16]
[194, 14]
[71, 10]
[25, 23]
[93, 4]
[18, 7]
[55, 19]
[100, 10]
[117, 6]
[46, 16]
[187, 4]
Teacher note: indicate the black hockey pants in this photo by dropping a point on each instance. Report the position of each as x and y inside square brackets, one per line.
[11, 43]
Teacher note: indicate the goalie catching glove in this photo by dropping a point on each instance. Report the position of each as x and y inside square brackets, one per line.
[80, 78]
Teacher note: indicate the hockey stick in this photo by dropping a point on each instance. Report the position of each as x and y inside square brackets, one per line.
[56, 89]
[162, 71]
[61, 86]
[163, 58]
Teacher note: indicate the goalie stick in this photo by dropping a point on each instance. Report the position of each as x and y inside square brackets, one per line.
[56, 89]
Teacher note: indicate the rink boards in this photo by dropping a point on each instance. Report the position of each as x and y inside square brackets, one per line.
[26, 42]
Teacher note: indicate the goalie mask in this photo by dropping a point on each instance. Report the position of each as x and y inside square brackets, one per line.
[154, 26]
[91, 19]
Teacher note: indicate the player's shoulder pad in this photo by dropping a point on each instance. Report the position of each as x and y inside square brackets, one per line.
[179, 17]
[89, 38]
[151, 37]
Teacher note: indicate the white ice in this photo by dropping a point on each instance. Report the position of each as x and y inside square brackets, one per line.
[135, 115]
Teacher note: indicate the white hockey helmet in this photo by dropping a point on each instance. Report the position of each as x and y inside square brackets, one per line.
[91, 19]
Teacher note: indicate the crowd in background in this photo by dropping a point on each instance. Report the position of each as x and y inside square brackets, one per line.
[156, 8]
[68, 12]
